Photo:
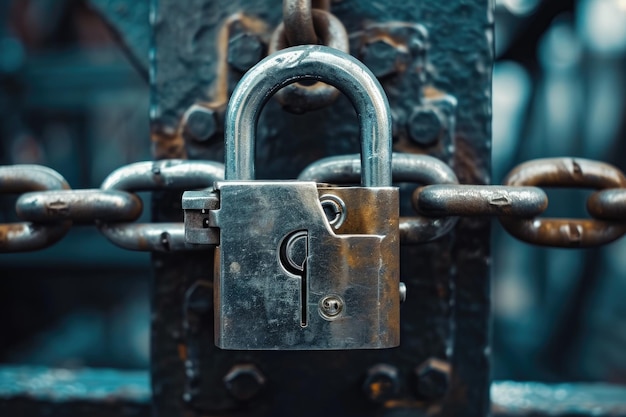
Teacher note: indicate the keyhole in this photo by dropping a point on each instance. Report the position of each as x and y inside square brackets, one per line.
[294, 251]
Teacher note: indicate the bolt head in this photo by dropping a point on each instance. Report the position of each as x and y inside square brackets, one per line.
[432, 379]
[381, 383]
[244, 51]
[424, 126]
[331, 307]
[244, 382]
[381, 57]
[200, 123]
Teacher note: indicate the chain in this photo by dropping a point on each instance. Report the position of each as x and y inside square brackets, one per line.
[171, 174]
[565, 172]
[48, 207]
[304, 24]
[15, 237]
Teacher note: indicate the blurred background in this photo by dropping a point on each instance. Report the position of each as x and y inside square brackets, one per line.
[71, 99]
[558, 90]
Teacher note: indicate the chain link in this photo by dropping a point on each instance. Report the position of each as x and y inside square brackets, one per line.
[79, 206]
[48, 206]
[479, 200]
[173, 174]
[520, 217]
[565, 172]
[298, 22]
[608, 204]
[26, 236]
[304, 25]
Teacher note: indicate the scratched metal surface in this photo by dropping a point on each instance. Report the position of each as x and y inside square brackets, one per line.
[447, 310]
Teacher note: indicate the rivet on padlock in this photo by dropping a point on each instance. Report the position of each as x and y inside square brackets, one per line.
[304, 266]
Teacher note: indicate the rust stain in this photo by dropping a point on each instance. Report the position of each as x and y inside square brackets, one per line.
[403, 403]
[465, 163]
[431, 410]
[9, 231]
[250, 24]
[182, 352]
[172, 144]
[376, 389]
[168, 146]
[405, 145]
[431, 92]
[142, 242]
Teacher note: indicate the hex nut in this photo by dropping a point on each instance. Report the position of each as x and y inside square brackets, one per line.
[424, 126]
[381, 383]
[381, 57]
[200, 123]
[244, 382]
[244, 51]
[432, 379]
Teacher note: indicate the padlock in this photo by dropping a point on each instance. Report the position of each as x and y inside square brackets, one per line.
[300, 265]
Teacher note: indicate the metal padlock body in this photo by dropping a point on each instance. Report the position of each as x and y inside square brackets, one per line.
[286, 278]
[261, 304]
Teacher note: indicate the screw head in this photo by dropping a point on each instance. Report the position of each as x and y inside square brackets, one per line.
[331, 306]
[381, 57]
[424, 126]
[200, 123]
[381, 383]
[432, 379]
[244, 382]
[244, 51]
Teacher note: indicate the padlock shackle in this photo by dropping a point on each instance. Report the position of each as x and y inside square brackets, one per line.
[318, 63]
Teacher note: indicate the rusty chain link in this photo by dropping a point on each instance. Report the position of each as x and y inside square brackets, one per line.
[480, 200]
[303, 24]
[608, 204]
[49, 207]
[25, 236]
[565, 172]
[298, 22]
[518, 212]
